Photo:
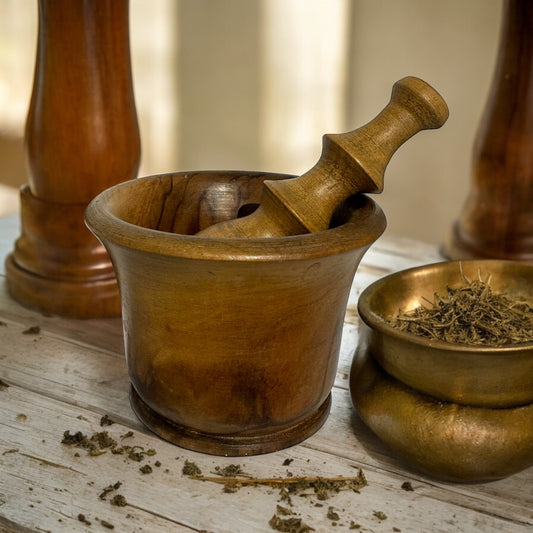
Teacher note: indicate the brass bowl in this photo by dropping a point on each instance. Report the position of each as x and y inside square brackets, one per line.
[444, 440]
[474, 375]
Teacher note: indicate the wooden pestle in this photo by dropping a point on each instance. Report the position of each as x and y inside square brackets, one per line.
[350, 163]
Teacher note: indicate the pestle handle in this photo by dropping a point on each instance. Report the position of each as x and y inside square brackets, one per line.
[350, 163]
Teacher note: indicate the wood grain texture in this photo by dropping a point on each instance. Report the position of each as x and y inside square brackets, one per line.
[497, 219]
[81, 137]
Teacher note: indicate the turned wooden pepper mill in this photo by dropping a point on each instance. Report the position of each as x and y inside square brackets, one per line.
[350, 163]
[497, 219]
[81, 137]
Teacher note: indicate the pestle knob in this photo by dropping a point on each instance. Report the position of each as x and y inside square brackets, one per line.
[350, 163]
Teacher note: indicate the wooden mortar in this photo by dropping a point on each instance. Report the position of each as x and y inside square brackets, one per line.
[231, 344]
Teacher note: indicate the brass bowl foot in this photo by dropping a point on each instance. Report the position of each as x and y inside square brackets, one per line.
[442, 439]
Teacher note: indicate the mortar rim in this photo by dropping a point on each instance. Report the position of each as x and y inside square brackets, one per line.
[364, 227]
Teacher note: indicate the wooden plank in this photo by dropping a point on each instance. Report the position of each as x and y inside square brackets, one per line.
[105, 334]
[98, 381]
[64, 370]
[392, 254]
[48, 485]
[73, 372]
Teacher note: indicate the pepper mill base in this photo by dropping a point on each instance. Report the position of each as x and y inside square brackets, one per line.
[458, 246]
[57, 266]
[93, 299]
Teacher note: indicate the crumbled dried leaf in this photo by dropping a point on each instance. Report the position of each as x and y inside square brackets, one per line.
[231, 487]
[81, 518]
[191, 469]
[407, 486]
[283, 511]
[229, 471]
[332, 514]
[135, 455]
[100, 442]
[118, 500]
[290, 525]
[106, 421]
[380, 515]
[33, 330]
[108, 489]
[146, 469]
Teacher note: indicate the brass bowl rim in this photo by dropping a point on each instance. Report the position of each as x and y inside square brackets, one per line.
[377, 322]
[363, 228]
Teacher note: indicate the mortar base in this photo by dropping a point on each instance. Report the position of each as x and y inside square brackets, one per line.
[232, 445]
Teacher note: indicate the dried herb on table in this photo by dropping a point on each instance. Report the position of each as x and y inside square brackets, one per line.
[290, 525]
[407, 486]
[283, 511]
[471, 314]
[380, 515]
[146, 469]
[83, 519]
[32, 330]
[100, 442]
[333, 515]
[191, 469]
[119, 500]
[108, 489]
[230, 471]
[106, 421]
[322, 487]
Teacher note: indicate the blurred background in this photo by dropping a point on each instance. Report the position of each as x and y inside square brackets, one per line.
[254, 84]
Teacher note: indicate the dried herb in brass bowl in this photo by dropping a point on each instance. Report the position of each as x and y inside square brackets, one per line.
[461, 331]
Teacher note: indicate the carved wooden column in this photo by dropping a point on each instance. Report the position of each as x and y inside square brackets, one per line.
[497, 220]
[81, 137]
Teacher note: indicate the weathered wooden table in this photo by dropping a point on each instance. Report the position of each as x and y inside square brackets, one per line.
[62, 375]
